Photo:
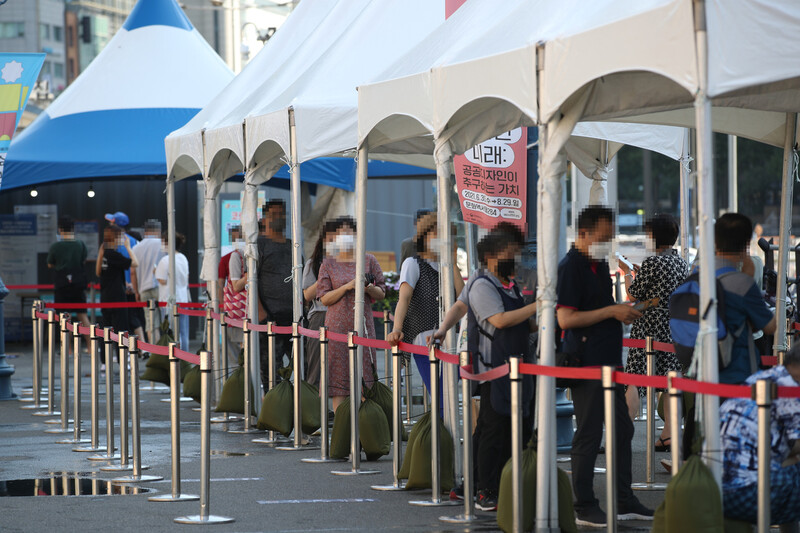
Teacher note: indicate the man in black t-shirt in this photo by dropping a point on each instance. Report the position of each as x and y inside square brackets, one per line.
[592, 324]
[274, 292]
[67, 257]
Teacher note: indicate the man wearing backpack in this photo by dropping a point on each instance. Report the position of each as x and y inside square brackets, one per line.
[742, 309]
[592, 324]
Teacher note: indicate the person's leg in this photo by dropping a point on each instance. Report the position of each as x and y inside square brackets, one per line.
[587, 398]
[665, 433]
[83, 318]
[183, 325]
[312, 369]
[632, 398]
[624, 432]
[494, 446]
[263, 355]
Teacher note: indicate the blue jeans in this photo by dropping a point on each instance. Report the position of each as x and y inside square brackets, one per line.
[183, 328]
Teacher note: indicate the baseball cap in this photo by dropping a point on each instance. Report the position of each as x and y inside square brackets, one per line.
[119, 218]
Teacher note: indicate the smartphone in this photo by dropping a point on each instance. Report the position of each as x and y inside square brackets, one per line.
[624, 260]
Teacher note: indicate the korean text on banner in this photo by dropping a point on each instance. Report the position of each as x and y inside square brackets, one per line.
[18, 73]
[492, 180]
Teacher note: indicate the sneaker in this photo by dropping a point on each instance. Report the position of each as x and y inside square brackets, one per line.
[457, 494]
[634, 511]
[487, 501]
[591, 517]
[666, 464]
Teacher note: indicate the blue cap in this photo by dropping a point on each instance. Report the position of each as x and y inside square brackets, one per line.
[119, 218]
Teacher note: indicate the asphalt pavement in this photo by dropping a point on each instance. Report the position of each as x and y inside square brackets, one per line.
[262, 488]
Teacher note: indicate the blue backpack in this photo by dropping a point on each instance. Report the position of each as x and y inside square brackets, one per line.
[684, 319]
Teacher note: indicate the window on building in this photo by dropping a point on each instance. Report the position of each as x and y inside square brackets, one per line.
[12, 30]
[58, 34]
[44, 32]
[58, 70]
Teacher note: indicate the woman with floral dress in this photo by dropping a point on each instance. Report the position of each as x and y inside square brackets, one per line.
[336, 286]
[659, 275]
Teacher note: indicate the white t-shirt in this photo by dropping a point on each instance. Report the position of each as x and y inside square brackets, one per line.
[409, 271]
[181, 278]
[148, 253]
[235, 267]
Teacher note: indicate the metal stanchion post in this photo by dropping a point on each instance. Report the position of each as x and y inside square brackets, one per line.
[246, 333]
[51, 348]
[76, 394]
[298, 406]
[355, 403]
[469, 503]
[323, 402]
[175, 432]
[397, 425]
[109, 358]
[516, 443]
[95, 440]
[650, 484]
[63, 380]
[436, 481]
[609, 395]
[272, 437]
[386, 351]
[763, 394]
[36, 389]
[136, 422]
[674, 422]
[122, 350]
[92, 311]
[205, 449]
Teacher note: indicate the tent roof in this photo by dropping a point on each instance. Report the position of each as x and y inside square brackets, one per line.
[326, 48]
[152, 77]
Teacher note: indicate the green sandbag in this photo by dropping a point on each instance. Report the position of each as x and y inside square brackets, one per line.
[161, 361]
[191, 383]
[232, 398]
[277, 409]
[405, 469]
[309, 400]
[505, 510]
[382, 395]
[692, 501]
[340, 436]
[158, 375]
[419, 477]
[373, 430]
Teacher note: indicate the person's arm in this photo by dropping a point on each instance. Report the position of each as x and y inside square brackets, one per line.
[403, 300]
[377, 289]
[310, 292]
[458, 280]
[98, 264]
[771, 326]
[375, 292]
[508, 319]
[333, 296]
[134, 280]
[569, 318]
[134, 262]
[451, 318]
[757, 312]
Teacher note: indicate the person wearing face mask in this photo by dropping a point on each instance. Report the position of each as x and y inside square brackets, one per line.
[592, 325]
[317, 311]
[660, 274]
[418, 303]
[181, 285]
[148, 252]
[110, 267]
[234, 292]
[336, 289]
[499, 324]
[275, 298]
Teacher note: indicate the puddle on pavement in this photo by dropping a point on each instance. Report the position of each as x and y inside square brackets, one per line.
[67, 484]
[223, 453]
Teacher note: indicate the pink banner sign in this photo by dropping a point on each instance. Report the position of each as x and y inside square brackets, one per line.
[492, 180]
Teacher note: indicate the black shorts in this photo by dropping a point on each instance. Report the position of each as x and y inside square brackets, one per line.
[70, 295]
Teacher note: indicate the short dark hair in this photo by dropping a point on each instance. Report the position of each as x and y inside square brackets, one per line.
[180, 238]
[664, 229]
[66, 223]
[592, 215]
[502, 236]
[732, 233]
[275, 202]
[152, 225]
[421, 213]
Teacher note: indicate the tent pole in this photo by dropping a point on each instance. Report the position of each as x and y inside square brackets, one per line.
[787, 192]
[708, 289]
[250, 231]
[443, 155]
[171, 245]
[297, 230]
[685, 211]
[733, 174]
[361, 260]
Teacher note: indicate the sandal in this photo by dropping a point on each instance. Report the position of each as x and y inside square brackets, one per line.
[663, 445]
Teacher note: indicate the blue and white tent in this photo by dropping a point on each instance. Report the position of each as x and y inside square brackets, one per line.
[153, 77]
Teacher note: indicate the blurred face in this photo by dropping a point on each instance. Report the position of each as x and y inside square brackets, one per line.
[504, 265]
[432, 242]
[276, 219]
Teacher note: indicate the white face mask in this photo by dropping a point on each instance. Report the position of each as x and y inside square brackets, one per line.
[238, 245]
[345, 243]
[434, 245]
[332, 249]
[650, 245]
[599, 251]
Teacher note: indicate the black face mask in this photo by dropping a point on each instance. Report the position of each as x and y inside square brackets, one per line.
[277, 224]
[506, 268]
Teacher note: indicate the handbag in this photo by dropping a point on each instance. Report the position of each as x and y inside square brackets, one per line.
[234, 303]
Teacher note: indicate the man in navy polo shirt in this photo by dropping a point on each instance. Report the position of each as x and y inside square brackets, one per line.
[592, 324]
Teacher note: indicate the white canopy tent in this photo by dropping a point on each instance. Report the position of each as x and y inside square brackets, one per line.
[700, 54]
[470, 80]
